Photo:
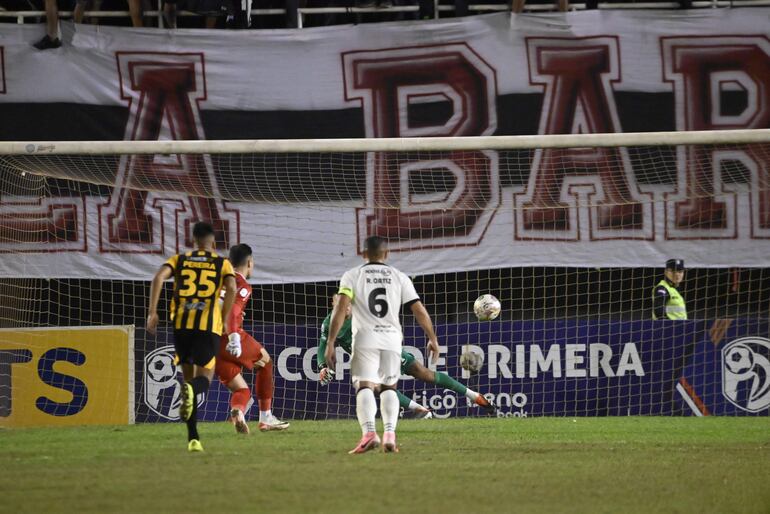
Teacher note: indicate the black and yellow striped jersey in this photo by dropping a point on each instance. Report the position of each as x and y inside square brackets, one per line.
[198, 279]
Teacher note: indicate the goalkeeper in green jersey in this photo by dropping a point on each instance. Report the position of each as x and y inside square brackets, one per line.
[409, 366]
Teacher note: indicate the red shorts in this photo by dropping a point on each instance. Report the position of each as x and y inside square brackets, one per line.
[228, 367]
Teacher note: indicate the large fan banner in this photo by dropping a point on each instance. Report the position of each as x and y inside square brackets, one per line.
[306, 215]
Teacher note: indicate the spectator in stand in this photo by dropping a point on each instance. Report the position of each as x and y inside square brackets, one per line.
[52, 39]
[135, 10]
[80, 9]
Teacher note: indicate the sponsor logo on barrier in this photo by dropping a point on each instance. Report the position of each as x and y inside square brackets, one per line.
[162, 389]
[746, 373]
[505, 361]
[65, 376]
[444, 404]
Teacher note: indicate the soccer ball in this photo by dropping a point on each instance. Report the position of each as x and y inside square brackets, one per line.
[471, 361]
[161, 368]
[739, 359]
[486, 307]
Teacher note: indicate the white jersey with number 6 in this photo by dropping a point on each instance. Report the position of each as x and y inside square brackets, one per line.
[378, 291]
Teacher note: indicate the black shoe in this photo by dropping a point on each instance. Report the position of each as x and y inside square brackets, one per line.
[47, 43]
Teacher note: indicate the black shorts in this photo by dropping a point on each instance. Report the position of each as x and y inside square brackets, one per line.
[196, 347]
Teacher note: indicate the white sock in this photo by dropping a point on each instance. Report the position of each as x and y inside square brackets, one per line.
[366, 408]
[413, 405]
[389, 409]
[264, 415]
[471, 395]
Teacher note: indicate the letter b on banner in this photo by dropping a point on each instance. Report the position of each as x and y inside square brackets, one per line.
[435, 199]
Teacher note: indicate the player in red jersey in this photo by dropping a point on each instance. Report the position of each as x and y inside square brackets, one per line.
[245, 352]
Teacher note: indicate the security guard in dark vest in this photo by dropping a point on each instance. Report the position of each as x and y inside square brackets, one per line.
[667, 303]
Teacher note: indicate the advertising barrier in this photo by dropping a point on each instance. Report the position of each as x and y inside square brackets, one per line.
[66, 376]
[530, 368]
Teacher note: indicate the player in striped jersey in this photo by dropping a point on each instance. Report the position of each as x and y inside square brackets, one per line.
[198, 316]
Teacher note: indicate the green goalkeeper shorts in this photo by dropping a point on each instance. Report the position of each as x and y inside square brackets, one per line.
[407, 359]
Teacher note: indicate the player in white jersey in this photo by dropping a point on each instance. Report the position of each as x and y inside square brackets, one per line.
[377, 292]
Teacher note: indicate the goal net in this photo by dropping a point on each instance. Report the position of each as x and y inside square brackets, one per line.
[570, 233]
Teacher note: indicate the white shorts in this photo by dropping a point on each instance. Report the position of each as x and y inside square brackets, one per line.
[375, 365]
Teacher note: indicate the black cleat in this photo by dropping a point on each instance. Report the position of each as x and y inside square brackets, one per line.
[47, 43]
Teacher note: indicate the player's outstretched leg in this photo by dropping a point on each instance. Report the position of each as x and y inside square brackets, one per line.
[263, 383]
[389, 412]
[366, 409]
[420, 372]
[420, 412]
[444, 380]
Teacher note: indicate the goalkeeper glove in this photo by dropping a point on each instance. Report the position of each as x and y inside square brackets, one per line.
[326, 375]
[234, 344]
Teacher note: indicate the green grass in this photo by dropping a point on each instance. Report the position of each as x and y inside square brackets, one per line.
[595, 465]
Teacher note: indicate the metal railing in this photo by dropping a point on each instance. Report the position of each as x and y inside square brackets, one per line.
[22, 16]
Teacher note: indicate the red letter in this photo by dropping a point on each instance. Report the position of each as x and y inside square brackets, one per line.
[703, 70]
[163, 91]
[58, 224]
[437, 199]
[577, 75]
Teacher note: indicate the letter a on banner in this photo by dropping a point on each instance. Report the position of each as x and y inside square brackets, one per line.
[163, 91]
[577, 76]
[433, 200]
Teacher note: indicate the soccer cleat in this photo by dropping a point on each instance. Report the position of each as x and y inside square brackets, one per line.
[273, 423]
[423, 414]
[188, 397]
[194, 446]
[389, 442]
[485, 404]
[239, 420]
[370, 441]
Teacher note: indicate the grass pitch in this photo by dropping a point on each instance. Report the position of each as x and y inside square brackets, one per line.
[719, 465]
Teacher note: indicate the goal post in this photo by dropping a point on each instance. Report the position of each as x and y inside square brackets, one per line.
[570, 232]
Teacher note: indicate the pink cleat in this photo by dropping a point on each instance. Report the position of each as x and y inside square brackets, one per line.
[389, 442]
[368, 442]
[239, 420]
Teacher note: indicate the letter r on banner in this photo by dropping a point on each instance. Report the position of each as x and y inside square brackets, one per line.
[577, 76]
[426, 200]
[719, 82]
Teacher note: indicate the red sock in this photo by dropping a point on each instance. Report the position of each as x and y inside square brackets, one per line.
[240, 399]
[263, 383]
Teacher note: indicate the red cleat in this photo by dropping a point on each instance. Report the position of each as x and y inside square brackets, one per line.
[485, 404]
[389, 442]
[368, 442]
